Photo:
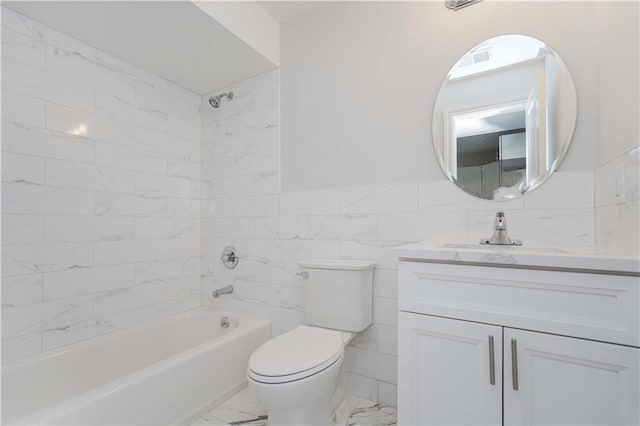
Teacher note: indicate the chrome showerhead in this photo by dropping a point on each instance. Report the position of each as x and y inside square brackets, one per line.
[215, 101]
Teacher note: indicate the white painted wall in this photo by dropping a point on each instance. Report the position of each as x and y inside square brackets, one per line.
[617, 191]
[359, 81]
[248, 21]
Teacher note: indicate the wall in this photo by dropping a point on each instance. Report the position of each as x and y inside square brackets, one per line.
[617, 177]
[100, 192]
[243, 206]
[354, 103]
[248, 21]
[82, 214]
[359, 80]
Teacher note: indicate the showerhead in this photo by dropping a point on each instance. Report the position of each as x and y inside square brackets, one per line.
[215, 101]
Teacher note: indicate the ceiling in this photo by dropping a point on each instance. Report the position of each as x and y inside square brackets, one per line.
[282, 11]
[175, 40]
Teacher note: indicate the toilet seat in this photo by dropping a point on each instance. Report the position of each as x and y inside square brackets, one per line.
[295, 355]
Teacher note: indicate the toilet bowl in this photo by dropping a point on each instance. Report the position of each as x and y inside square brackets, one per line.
[300, 374]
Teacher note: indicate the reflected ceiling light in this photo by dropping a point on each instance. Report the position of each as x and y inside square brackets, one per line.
[459, 4]
[80, 131]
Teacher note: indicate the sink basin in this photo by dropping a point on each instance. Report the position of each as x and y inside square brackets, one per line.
[493, 247]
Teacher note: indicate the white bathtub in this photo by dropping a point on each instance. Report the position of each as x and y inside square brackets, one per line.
[169, 371]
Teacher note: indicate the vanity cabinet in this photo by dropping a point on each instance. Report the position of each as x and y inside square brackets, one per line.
[444, 374]
[496, 345]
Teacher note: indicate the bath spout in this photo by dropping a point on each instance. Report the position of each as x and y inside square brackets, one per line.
[224, 290]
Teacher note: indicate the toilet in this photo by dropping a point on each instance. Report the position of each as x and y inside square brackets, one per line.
[300, 374]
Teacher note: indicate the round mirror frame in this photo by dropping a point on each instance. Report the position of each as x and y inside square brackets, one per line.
[470, 114]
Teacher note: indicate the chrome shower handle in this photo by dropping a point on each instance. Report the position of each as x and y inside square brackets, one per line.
[229, 257]
[304, 275]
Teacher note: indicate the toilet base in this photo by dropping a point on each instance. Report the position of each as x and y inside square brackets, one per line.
[310, 401]
[320, 412]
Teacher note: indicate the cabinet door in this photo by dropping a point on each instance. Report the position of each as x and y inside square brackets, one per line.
[561, 380]
[444, 371]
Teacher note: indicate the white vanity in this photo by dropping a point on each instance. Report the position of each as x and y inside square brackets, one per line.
[515, 335]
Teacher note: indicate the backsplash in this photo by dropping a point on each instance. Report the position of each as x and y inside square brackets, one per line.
[100, 192]
[242, 206]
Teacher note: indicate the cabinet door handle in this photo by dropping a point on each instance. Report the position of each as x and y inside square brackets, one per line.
[492, 365]
[514, 364]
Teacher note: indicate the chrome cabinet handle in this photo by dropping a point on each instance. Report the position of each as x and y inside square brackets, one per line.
[514, 364]
[492, 366]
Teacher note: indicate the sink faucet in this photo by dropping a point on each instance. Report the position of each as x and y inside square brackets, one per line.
[500, 236]
[224, 290]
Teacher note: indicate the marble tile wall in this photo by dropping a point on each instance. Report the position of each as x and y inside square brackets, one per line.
[100, 191]
[242, 206]
[617, 201]
[104, 167]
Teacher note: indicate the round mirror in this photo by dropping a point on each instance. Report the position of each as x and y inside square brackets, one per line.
[504, 117]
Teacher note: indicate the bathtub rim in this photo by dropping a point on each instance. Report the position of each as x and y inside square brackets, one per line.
[245, 324]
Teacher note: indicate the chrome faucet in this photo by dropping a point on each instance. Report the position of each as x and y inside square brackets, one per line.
[500, 236]
[224, 290]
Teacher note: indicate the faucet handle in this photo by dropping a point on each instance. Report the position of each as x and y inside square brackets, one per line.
[500, 223]
[229, 257]
[500, 236]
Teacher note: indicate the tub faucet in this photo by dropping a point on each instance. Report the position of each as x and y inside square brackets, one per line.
[500, 236]
[224, 290]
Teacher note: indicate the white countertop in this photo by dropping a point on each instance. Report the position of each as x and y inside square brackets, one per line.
[589, 259]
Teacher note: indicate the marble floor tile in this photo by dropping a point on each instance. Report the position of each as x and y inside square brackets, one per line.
[244, 408]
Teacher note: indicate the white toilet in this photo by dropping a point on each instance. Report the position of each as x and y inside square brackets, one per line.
[299, 374]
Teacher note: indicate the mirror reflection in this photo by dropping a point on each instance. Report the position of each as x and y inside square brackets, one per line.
[504, 117]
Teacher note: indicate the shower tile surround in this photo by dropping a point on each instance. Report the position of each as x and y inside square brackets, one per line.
[105, 230]
[100, 192]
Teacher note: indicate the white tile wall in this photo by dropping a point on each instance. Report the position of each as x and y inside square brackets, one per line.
[273, 230]
[617, 200]
[104, 168]
[101, 192]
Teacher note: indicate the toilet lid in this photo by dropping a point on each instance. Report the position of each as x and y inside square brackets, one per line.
[304, 349]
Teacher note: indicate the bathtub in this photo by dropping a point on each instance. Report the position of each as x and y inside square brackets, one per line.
[169, 371]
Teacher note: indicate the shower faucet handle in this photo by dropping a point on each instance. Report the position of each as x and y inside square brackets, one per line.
[230, 257]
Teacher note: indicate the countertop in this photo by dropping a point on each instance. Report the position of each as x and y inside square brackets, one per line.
[580, 259]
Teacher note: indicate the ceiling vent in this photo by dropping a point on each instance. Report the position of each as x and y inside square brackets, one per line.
[459, 4]
[481, 56]
[471, 59]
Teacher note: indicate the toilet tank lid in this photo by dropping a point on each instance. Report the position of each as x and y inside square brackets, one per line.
[338, 264]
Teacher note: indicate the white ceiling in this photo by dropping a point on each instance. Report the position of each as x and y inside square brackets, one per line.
[282, 11]
[175, 40]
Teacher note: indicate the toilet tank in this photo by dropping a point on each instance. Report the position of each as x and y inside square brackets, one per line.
[338, 293]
